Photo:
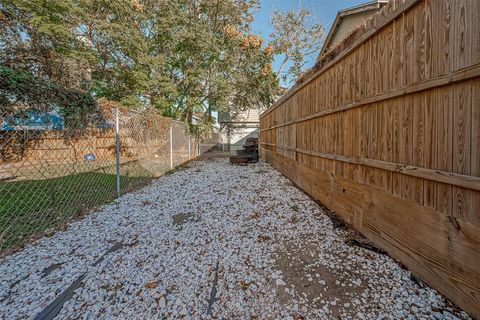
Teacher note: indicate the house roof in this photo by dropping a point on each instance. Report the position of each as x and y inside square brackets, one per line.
[372, 5]
[247, 116]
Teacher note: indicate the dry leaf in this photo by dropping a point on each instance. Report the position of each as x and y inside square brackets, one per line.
[151, 285]
[264, 238]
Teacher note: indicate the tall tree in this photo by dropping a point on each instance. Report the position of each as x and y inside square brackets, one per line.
[45, 36]
[296, 36]
[212, 59]
[184, 57]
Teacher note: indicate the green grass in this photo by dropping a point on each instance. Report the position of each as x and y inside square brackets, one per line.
[33, 206]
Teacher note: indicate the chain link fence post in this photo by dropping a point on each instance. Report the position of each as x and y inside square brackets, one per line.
[117, 149]
[171, 145]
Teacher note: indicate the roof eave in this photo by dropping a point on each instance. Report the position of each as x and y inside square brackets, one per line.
[345, 12]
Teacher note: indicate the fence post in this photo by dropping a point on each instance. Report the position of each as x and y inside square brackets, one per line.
[189, 142]
[171, 145]
[117, 149]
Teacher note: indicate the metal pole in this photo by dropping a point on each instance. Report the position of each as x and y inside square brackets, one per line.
[189, 142]
[171, 146]
[117, 149]
[229, 138]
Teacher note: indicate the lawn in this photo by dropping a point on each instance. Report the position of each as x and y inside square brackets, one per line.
[33, 206]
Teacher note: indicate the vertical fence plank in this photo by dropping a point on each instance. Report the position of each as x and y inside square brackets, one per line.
[462, 112]
[406, 147]
[444, 114]
[462, 37]
[474, 210]
[418, 143]
[430, 156]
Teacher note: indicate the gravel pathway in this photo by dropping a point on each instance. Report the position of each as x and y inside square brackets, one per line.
[267, 250]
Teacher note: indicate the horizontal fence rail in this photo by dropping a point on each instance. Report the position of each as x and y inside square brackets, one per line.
[387, 134]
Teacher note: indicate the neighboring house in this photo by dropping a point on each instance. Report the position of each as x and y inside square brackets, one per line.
[347, 20]
[236, 129]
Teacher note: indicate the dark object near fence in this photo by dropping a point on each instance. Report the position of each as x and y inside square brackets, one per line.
[249, 154]
[240, 160]
[251, 144]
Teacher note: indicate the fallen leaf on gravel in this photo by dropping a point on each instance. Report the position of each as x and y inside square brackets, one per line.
[293, 219]
[244, 285]
[253, 216]
[294, 207]
[151, 285]
[264, 238]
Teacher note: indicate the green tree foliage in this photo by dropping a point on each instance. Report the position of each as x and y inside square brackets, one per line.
[21, 92]
[185, 57]
[297, 35]
[212, 62]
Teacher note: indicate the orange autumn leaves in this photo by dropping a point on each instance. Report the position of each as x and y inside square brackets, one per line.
[137, 6]
[250, 41]
[230, 32]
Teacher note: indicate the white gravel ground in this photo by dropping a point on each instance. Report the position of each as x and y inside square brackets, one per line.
[277, 253]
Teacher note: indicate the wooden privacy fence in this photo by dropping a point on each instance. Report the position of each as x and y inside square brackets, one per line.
[56, 146]
[387, 134]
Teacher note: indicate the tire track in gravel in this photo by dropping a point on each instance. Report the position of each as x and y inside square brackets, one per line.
[52, 310]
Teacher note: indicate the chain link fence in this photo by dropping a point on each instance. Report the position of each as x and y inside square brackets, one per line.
[50, 174]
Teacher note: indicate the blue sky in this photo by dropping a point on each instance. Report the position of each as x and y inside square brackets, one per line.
[323, 10]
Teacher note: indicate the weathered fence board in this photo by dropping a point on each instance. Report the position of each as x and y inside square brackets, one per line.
[387, 134]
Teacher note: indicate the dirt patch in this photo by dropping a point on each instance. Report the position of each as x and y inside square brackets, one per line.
[182, 218]
[314, 285]
[51, 268]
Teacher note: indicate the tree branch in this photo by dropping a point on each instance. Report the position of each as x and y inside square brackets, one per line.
[285, 60]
